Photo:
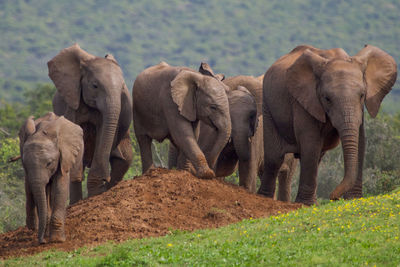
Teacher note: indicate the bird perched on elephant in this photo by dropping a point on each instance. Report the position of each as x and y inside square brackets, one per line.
[91, 92]
[245, 149]
[313, 99]
[168, 102]
[51, 149]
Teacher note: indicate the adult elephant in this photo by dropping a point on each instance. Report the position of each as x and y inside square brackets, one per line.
[168, 102]
[315, 98]
[91, 92]
[245, 147]
[51, 150]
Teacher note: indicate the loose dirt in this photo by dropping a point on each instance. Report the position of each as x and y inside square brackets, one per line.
[149, 205]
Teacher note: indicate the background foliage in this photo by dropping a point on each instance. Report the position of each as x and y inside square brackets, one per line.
[234, 37]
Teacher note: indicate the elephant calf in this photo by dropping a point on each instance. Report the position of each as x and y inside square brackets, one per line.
[51, 148]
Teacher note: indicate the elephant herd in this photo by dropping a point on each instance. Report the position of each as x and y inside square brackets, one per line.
[307, 101]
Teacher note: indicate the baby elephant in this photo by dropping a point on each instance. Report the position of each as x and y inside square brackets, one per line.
[51, 149]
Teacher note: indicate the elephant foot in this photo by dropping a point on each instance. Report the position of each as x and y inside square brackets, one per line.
[205, 173]
[96, 185]
[351, 195]
[96, 191]
[57, 237]
[32, 224]
[307, 202]
[149, 169]
[265, 193]
[42, 241]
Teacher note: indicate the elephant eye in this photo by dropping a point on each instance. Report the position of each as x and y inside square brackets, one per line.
[327, 99]
[213, 107]
[49, 163]
[362, 96]
[95, 85]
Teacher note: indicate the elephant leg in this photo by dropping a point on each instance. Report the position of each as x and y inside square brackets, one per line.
[285, 176]
[172, 156]
[145, 151]
[273, 155]
[184, 164]
[121, 159]
[75, 192]
[284, 183]
[49, 210]
[60, 192]
[76, 178]
[268, 181]
[188, 146]
[309, 161]
[30, 207]
[356, 191]
[248, 174]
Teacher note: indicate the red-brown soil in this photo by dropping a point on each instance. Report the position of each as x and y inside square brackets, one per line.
[149, 205]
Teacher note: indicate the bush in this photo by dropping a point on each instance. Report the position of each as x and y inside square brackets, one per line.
[378, 182]
[12, 191]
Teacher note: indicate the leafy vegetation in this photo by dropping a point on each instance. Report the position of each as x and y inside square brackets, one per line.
[233, 36]
[362, 232]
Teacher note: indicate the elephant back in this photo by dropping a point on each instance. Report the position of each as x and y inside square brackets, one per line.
[252, 84]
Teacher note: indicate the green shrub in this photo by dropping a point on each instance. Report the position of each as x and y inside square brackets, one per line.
[12, 191]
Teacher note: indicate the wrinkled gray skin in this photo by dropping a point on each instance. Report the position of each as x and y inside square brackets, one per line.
[312, 100]
[168, 102]
[245, 147]
[91, 92]
[51, 150]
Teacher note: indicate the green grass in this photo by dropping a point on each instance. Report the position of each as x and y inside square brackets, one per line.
[363, 232]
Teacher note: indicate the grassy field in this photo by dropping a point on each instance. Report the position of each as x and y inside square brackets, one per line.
[363, 232]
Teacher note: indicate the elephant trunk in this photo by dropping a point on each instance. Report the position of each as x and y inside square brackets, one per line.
[99, 173]
[242, 144]
[349, 138]
[39, 195]
[224, 132]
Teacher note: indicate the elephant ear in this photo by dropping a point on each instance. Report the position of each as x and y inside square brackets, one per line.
[183, 89]
[205, 69]
[220, 77]
[70, 143]
[380, 73]
[64, 71]
[26, 130]
[254, 120]
[112, 58]
[302, 79]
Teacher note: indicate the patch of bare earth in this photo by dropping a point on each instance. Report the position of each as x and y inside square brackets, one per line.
[149, 205]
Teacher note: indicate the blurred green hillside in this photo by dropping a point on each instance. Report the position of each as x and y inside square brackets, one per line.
[233, 36]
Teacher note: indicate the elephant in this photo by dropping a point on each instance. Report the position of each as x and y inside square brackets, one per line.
[92, 93]
[168, 102]
[245, 147]
[52, 150]
[312, 100]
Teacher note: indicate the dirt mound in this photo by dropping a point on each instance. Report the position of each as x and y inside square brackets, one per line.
[149, 205]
